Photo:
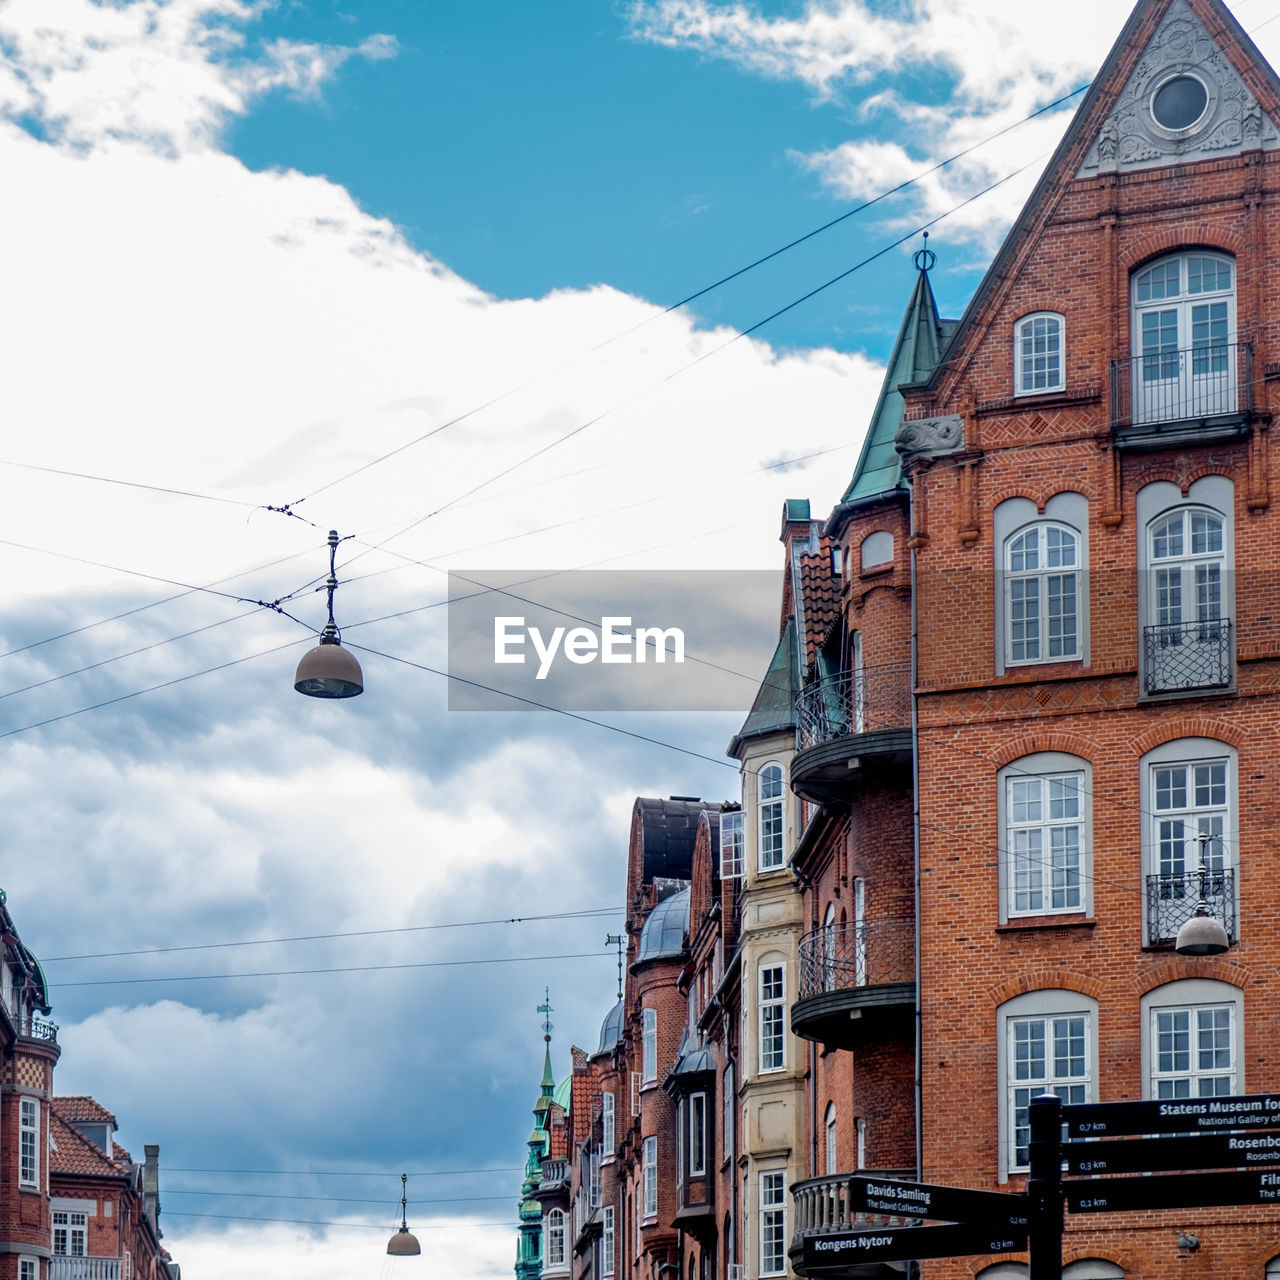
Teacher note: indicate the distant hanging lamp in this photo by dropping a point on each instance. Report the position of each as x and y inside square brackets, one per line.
[328, 670]
[1203, 934]
[404, 1243]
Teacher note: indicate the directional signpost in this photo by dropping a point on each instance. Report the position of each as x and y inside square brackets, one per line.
[981, 1222]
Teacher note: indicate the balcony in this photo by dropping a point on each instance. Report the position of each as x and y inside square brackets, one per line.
[1184, 656]
[64, 1268]
[1192, 395]
[847, 720]
[31, 1027]
[555, 1176]
[822, 1207]
[853, 980]
[1172, 901]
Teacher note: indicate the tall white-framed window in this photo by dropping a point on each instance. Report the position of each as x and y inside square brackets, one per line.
[1189, 790]
[773, 1052]
[1045, 826]
[608, 1138]
[1041, 565]
[1191, 1039]
[593, 1183]
[860, 931]
[649, 1048]
[773, 1222]
[860, 1133]
[649, 1167]
[28, 1142]
[1039, 357]
[1183, 338]
[1046, 1043]
[607, 1242]
[770, 825]
[553, 1238]
[829, 948]
[697, 1135]
[1186, 597]
[70, 1232]
[28, 1269]
[829, 1133]
[730, 1108]
[1042, 590]
[731, 845]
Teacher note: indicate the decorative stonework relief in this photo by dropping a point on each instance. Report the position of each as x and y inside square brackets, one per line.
[1231, 120]
[930, 437]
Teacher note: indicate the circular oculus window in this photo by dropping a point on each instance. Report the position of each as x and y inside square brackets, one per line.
[1180, 103]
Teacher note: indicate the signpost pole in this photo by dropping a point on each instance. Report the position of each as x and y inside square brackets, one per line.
[1044, 1187]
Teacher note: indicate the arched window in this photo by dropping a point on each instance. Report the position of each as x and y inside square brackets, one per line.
[1184, 338]
[769, 818]
[829, 1130]
[829, 948]
[1042, 594]
[1038, 357]
[555, 1238]
[1191, 1037]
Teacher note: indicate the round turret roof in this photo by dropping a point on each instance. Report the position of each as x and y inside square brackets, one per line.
[664, 930]
[611, 1029]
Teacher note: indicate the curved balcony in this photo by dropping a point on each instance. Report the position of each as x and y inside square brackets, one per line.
[845, 721]
[853, 977]
[822, 1206]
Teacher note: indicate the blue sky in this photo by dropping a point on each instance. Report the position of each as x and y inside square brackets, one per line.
[258, 255]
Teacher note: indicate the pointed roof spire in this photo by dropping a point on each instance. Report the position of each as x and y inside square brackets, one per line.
[915, 354]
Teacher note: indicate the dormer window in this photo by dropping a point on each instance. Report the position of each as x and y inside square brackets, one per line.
[1038, 355]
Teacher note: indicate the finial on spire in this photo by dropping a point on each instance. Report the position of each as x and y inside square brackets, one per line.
[924, 258]
[546, 1011]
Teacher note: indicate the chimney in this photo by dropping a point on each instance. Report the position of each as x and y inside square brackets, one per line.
[151, 1186]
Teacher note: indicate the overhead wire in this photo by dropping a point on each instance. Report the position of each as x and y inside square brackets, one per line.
[349, 1173]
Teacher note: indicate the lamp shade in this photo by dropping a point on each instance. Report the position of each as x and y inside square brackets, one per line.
[329, 671]
[403, 1244]
[1202, 935]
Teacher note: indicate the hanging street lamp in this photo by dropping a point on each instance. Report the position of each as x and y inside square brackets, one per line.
[328, 670]
[404, 1243]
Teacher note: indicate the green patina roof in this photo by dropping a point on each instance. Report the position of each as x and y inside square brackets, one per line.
[563, 1090]
[920, 342]
[774, 708]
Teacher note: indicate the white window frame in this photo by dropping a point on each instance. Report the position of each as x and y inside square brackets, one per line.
[773, 1222]
[649, 1046]
[772, 1047]
[1012, 518]
[697, 1135]
[1044, 541]
[829, 1135]
[730, 1107]
[635, 1094]
[1047, 1007]
[29, 1143]
[1192, 996]
[731, 845]
[607, 1242]
[1039, 354]
[1222, 855]
[650, 1178]
[771, 817]
[1046, 765]
[860, 1131]
[28, 1268]
[553, 1235]
[70, 1229]
[608, 1121]
[1212, 494]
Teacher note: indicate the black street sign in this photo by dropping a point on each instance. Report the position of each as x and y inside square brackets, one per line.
[1188, 1191]
[1173, 1115]
[1143, 1155]
[897, 1244]
[949, 1204]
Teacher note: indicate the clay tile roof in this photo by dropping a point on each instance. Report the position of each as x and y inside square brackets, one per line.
[821, 598]
[82, 1107]
[75, 1154]
[121, 1155]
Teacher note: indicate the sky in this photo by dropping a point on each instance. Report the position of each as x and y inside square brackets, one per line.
[404, 270]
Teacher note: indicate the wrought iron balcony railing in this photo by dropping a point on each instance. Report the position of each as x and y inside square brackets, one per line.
[1206, 380]
[864, 701]
[823, 1204]
[62, 1267]
[1172, 901]
[35, 1028]
[1186, 655]
[838, 958]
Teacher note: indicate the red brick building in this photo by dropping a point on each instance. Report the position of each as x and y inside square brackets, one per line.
[73, 1203]
[1045, 724]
